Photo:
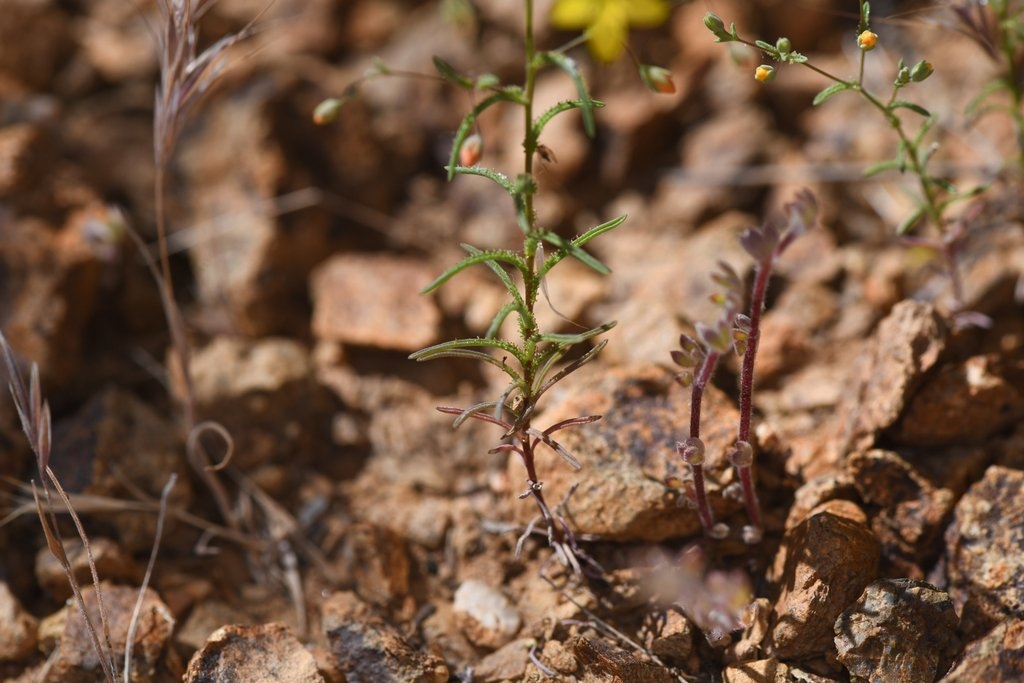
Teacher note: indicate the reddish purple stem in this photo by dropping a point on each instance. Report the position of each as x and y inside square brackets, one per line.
[763, 273]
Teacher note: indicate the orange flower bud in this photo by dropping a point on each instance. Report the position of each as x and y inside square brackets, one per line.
[764, 73]
[867, 41]
[472, 150]
[658, 79]
[326, 111]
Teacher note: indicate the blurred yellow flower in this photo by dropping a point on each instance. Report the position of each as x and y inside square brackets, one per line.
[607, 22]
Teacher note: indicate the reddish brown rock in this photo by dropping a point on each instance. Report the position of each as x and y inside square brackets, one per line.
[376, 562]
[368, 649]
[984, 564]
[822, 566]
[899, 630]
[268, 653]
[264, 393]
[904, 348]
[51, 282]
[759, 671]
[996, 657]
[627, 454]
[116, 438]
[374, 300]
[18, 628]
[506, 663]
[76, 660]
[24, 57]
[908, 513]
[964, 403]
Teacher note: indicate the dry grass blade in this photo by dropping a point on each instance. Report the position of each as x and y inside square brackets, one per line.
[34, 413]
[133, 624]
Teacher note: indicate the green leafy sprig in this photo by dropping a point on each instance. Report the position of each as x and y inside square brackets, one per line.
[935, 194]
[532, 361]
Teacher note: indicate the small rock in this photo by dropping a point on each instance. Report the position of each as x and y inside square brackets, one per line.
[369, 650]
[504, 664]
[267, 653]
[111, 563]
[76, 661]
[489, 620]
[204, 619]
[263, 392]
[964, 403]
[905, 347]
[51, 282]
[376, 561]
[251, 264]
[821, 489]
[373, 300]
[898, 631]
[612, 663]
[984, 564]
[669, 635]
[34, 63]
[18, 628]
[760, 671]
[627, 454]
[997, 657]
[822, 566]
[908, 513]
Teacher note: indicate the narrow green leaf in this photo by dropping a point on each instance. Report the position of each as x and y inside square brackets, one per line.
[499, 320]
[505, 278]
[907, 223]
[974, 110]
[829, 92]
[569, 66]
[499, 178]
[572, 250]
[944, 184]
[875, 169]
[567, 105]
[450, 74]
[579, 337]
[925, 127]
[904, 104]
[499, 255]
[581, 240]
[568, 369]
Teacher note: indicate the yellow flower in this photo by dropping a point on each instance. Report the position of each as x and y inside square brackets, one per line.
[607, 22]
[867, 41]
[764, 73]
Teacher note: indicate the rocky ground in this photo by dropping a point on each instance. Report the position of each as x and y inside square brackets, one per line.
[361, 537]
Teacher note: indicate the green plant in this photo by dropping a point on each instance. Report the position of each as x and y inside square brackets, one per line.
[699, 357]
[997, 26]
[935, 194]
[532, 361]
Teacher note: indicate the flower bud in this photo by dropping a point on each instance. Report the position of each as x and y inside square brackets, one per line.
[784, 45]
[472, 150]
[715, 24]
[867, 40]
[921, 71]
[742, 454]
[327, 111]
[658, 79]
[691, 450]
[765, 73]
